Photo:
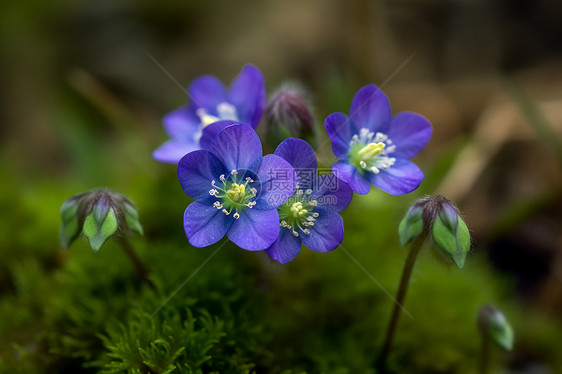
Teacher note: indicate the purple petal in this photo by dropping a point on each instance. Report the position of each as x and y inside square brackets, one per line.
[327, 232]
[196, 170]
[370, 109]
[255, 230]
[278, 181]
[181, 124]
[410, 132]
[237, 146]
[298, 153]
[339, 130]
[285, 248]
[210, 131]
[204, 225]
[350, 175]
[248, 95]
[173, 150]
[331, 192]
[207, 92]
[403, 177]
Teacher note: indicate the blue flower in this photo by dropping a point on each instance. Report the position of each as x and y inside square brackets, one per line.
[236, 190]
[211, 102]
[310, 216]
[375, 148]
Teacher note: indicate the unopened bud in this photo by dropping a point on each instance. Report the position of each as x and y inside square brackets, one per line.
[493, 325]
[98, 215]
[439, 218]
[288, 115]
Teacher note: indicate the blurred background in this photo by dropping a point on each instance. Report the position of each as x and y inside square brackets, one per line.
[81, 106]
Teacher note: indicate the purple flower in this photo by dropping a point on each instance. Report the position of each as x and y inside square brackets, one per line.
[236, 190]
[212, 102]
[310, 216]
[375, 148]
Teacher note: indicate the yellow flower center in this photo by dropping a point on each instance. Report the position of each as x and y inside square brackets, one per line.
[298, 210]
[370, 151]
[236, 191]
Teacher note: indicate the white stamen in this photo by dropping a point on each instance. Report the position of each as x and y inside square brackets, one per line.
[226, 212]
[236, 215]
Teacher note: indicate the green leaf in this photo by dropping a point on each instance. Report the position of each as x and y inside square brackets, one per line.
[132, 219]
[411, 226]
[69, 229]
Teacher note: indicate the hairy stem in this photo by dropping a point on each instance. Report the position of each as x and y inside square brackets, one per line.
[485, 354]
[137, 263]
[404, 282]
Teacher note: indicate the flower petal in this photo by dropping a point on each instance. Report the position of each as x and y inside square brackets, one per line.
[331, 192]
[327, 232]
[210, 131]
[353, 177]
[370, 109]
[298, 153]
[278, 181]
[285, 248]
[173, 150]
[237, 146]
[204, 225]
[403, 177]
[196, 170]
[340, 133]
[207, 92]
[410, 132]
[182, 123]
[248, 95]
[255, 230]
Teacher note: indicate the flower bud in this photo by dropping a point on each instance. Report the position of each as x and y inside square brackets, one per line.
[437, 217]
[288, 115]
[493, 325]
[98, 215]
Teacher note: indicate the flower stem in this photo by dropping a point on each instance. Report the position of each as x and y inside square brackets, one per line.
[137, 263]
[404, 282]
[485, 355]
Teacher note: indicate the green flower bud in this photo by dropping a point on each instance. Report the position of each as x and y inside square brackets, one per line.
[493, 325]
[98, 215]
[438, 218]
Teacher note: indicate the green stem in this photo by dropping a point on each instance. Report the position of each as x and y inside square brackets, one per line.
[485, 355]
[404, 282]
[137, 263]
